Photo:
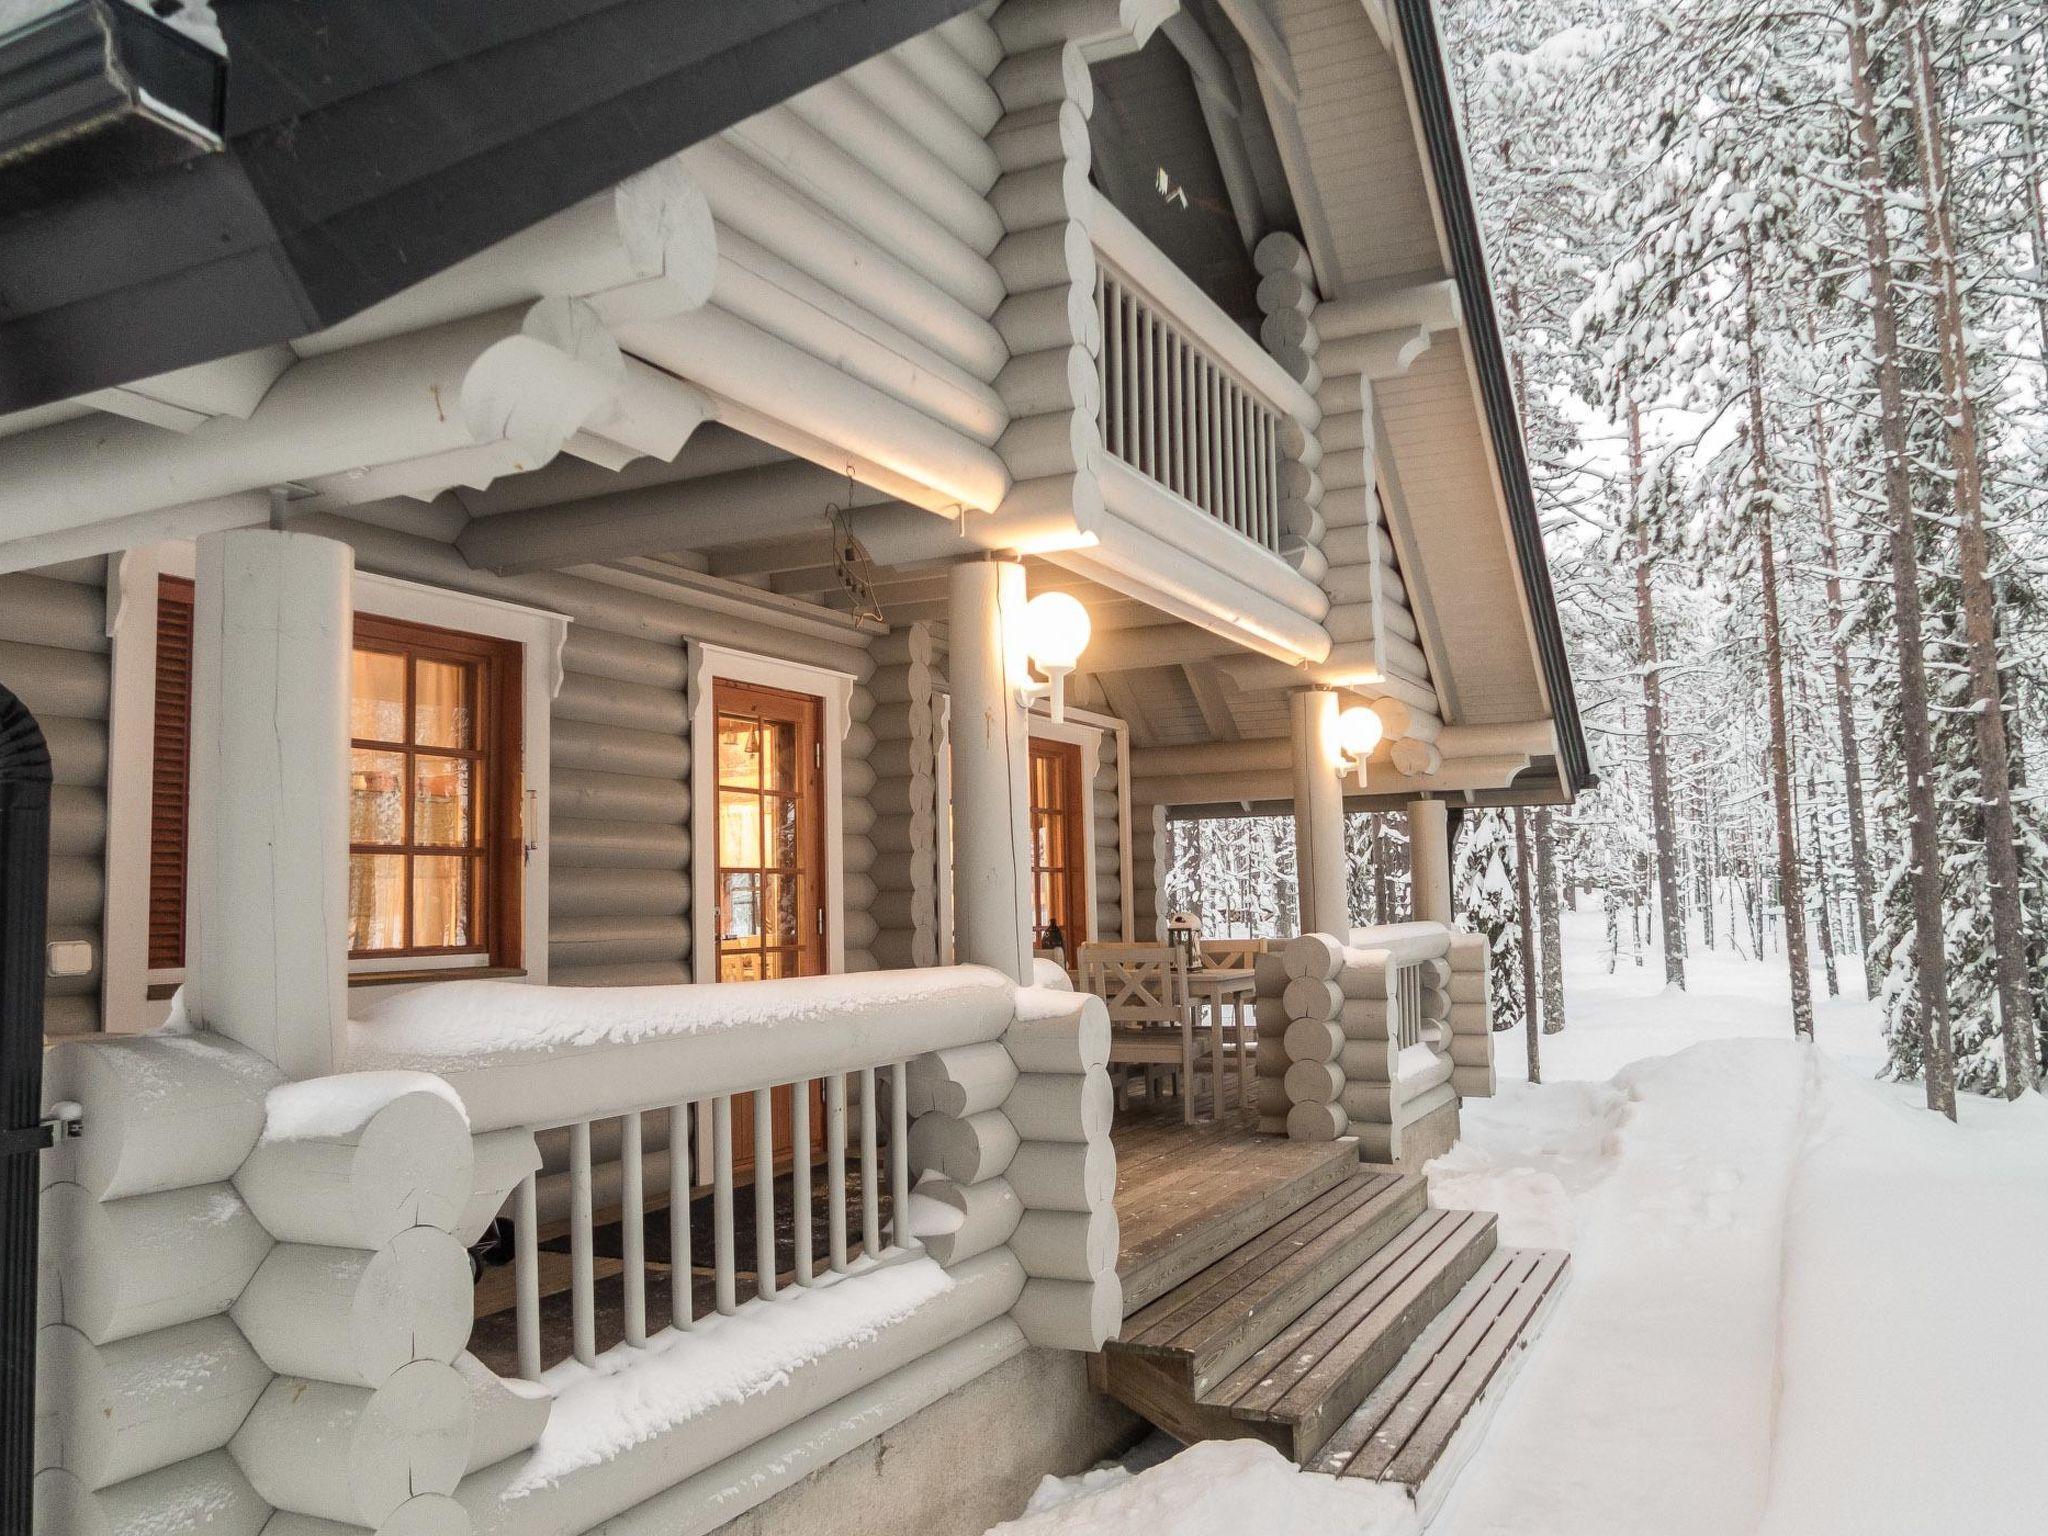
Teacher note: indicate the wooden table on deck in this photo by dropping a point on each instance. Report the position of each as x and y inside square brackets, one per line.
[1218, 988]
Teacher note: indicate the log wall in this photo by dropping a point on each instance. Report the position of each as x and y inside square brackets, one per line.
[902, 845]
[55, 656]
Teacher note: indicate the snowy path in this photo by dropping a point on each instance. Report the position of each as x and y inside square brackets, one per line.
[1802, 1305]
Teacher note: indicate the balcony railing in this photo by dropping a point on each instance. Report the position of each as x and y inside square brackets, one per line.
[1189, 399]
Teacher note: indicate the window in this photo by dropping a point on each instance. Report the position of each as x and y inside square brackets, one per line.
[434, 781]
[771, 864]
[433, 793]
[1058, 854]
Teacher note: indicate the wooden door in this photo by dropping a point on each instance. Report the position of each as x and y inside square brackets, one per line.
[769, 760]
[1059, 865]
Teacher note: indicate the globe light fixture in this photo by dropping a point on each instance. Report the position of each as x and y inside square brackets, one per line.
[1358, 731]
[1056, 631]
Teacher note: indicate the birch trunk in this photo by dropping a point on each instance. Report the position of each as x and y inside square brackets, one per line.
[1916, 738]
[1845, 700]
[1980, 611]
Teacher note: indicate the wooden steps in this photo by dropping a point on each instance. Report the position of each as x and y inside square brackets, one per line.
[1359, 1330]
[1423, 1421]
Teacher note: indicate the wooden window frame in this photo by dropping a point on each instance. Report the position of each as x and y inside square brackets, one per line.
[1071, 886]
[499, 848]
[807, 713]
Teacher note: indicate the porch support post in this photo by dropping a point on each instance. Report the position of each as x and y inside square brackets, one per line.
[1318, 813]
[267, 833]
[991, 847]
[1429, 858]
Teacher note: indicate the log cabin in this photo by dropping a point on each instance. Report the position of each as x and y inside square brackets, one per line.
[558, 673]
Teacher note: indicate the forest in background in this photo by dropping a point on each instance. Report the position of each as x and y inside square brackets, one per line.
[1774, 282]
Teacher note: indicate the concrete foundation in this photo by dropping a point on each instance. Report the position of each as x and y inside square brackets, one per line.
[1431, 1136]
[967, 1462]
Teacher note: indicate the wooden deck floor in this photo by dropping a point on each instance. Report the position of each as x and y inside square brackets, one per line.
[1187, 1194]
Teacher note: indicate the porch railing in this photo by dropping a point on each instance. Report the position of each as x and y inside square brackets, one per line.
[1189, 400]
[1377, 1031]
[296, 1252]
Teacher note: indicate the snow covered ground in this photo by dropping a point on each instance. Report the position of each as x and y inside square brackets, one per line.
[1802, 1305]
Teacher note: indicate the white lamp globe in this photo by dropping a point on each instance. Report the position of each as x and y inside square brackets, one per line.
[1358, 732]
[1056, 630]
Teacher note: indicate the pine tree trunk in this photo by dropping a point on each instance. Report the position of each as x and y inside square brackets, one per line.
[1382, 895]
[1864, 884]
[1791, 894]
[1525, 913]
[1547, 909]
[1915, 731]
[1824, 901]
[2034, 172]
[1980, 623]
[1670, 914]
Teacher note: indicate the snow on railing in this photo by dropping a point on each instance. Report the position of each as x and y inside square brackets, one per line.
[1375, 1040]
[292, 1256]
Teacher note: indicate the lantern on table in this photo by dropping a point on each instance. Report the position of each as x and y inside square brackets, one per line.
[1185, 935]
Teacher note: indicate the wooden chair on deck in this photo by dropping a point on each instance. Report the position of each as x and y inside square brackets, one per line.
[1237, 955]
[1152, 1027]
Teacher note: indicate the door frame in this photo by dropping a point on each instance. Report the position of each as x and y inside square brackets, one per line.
[807, 712]
[708, 666]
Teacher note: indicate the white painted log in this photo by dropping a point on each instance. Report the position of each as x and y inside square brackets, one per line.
[841, 112]
[1312, 1040]
[118, 1268]
[1473, 1082]
[1070, 1035]
[1372, 1061]
[354, 1455]
[603, 747]
[357, 1315]
[1046, 72]
[896, 91]
[409, 1163]
[1070, 1314]
[505, 1417]
[622, 939]
[1061, 1107]
[962, 87]
[131, 1407]
[988, 1214]
[1064, 1175]
[991, 856]
[166, 1111]
[1380, 1102]
[1307, 998]
[1067, 1245]
[429, 1514]
[1467, 1018]
[1317, 1122]
[1468, 953]
[1046, 134]
[963, 1081]
[64, 1506]
[967, 1151]
[1314, 1082]
[1475, 1050]
[1467, 987]
[499, 1160]
[1269, 1098]
[1430, 860]
[1413, 758]
[1315, 956]
[617, 797]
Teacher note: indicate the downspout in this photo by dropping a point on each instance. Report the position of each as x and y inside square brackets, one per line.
[24, 878]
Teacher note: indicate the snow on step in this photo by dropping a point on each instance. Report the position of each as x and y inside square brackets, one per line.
[1426, 1417]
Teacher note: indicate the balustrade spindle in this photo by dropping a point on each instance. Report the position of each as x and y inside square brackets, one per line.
[899, 1155]
[721, 1202]
[633, 1228]
[800, 1179]
[682, 1305]
[870, 1185]
[764, 1192]
[526, 1276]
[835, 1171]
[582, 1267]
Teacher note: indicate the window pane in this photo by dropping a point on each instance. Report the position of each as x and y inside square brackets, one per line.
[441, 704]
[785, 833]
[376, 796]
[376, 901]
[739, 751]
[778, 755]
[739, 907]
[442, 795]
[739, 830]
[741, 967]
[781, 914]
[376, 702]
[782, 962]
[441, 902]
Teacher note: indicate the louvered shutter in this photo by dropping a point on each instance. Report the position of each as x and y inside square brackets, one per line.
[171, 771]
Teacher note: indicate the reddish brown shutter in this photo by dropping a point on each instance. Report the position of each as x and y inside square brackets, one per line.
[170, 774]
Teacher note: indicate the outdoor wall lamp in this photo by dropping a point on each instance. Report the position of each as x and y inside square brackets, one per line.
[1056, 632]
[1358, 731]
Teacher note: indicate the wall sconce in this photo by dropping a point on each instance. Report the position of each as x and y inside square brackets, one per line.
[1056, 630]
[1358, 731]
